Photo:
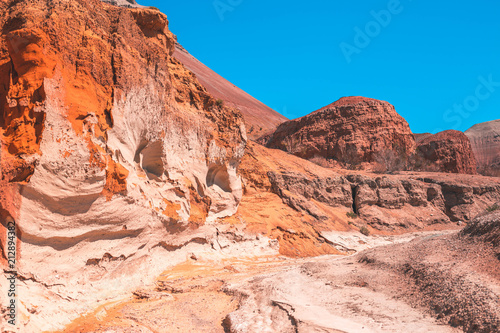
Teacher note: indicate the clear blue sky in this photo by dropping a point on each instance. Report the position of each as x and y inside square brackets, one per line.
[433, 60]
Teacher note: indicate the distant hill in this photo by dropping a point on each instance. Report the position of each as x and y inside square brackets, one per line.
[259, 118]
[485, 140]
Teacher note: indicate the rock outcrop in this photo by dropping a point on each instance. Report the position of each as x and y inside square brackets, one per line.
[404, 201]
[117, 163]
[448, 151]
[352, 130]
[111, 153]
[390, 202]
[485, 140]
[419, 199]
[259, 118]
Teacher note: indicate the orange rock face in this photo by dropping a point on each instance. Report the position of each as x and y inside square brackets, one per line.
[449, 151]
[90, 98]
[97, 52]
[25, 61]
[109, 146]
[116, 179]
[352, 130]
[285, 214]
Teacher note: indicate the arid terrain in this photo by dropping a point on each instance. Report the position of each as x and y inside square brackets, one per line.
[429, 290]
[271, 293]
[149, 194]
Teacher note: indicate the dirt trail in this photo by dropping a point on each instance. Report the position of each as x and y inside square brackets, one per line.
[267, 294]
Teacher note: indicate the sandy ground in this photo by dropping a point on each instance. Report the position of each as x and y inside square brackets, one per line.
[276, 294]
[326, 296]
[188, 298]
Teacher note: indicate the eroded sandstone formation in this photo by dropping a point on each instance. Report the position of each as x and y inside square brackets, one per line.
[111, 148]
[369, 134]
[391, 202]
[351, 130]
[407, 200]
[117, 163]
[448, 151]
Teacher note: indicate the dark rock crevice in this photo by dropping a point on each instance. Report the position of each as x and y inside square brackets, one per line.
[354, 207]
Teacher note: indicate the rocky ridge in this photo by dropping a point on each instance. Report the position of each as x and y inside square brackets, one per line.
[364, 133]
[387, 202]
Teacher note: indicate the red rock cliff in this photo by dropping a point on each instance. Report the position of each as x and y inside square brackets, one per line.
[351, 130]
[448, 151]
[110, 148]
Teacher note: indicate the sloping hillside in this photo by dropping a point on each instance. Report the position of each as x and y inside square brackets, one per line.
[259, 118]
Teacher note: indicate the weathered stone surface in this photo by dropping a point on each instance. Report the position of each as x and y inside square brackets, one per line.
[351, 130]
[388, 202]
[109, 145]
[417, 195]
[466, 198]
[448, 151]
[368, 132]
[298, 191]
[486, 228]
[485, 140]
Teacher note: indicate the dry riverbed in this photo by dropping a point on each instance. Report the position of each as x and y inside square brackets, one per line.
[368, 291]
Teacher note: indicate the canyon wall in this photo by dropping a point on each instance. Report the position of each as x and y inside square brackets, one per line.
[323, 197]
[116, 162]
